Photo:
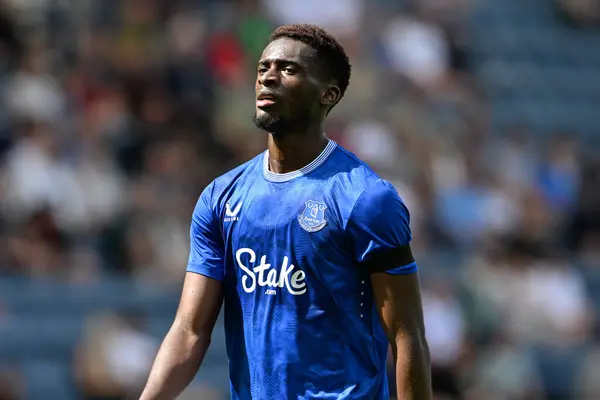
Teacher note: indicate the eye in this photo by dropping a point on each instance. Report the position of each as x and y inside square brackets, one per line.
[290, 70]
[262, 70]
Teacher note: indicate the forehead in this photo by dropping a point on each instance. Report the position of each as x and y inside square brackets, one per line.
[286, 49]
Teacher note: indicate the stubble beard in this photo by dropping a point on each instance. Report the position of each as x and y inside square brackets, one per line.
[270, 123]
[276, 125]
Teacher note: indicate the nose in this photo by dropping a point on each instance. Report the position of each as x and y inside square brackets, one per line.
[269, 78]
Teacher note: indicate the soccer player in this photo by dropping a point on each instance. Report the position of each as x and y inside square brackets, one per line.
[309, 250]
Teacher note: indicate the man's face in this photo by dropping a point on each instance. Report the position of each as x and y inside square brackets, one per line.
[288, 87]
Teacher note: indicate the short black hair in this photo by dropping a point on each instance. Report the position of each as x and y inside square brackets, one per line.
[329, 52]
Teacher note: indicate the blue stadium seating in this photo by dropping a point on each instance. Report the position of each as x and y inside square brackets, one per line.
[48, 379]
[45, 321]
[23, 337]
[534, 68]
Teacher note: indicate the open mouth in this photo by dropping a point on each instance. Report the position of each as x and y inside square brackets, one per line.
[265, 100]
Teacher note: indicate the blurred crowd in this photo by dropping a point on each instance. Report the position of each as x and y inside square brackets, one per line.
[116, 114]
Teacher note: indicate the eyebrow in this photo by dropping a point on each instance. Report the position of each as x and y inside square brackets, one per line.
[279, 61]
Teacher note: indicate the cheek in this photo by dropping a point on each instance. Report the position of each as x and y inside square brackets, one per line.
[301, 94]
[307, 99]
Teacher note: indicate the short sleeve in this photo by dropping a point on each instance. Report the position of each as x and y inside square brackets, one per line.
[380, 228]
[206, 243]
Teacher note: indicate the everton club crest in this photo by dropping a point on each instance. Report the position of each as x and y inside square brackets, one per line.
[312, 218]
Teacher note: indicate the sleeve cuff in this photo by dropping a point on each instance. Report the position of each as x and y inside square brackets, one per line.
[208, 271]
[404, 270]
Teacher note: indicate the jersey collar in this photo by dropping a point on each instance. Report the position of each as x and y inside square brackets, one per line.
[288, 176]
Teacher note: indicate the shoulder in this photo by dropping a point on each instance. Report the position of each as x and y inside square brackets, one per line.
[219, 188]
[359, 179]
[239, 174]
[353, 170]
[379, 197]
[353, 165]
[380, 213]
[359, 191]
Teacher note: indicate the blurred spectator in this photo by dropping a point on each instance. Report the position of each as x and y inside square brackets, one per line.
[114, 357]
[552, 305]
[36, 177]
[474, 209]
[445, 329]
[515, 153]
[539, 300]
[504, 371]
[587, 383]
[559, 174]
[254, 30]
[39, 248]
[342, 17]
[11, 387]
[584, 223]
[372, 141]
[417, 49]
[10, 43]
[32, 92]
[585, 13]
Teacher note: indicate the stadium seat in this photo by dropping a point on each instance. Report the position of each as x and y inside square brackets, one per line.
[523, 50]
[48, 379]
[558, 367]
[38, 336]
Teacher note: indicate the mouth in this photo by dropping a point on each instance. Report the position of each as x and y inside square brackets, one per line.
[264, 100]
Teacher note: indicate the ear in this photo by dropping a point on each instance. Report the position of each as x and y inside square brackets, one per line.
[331, 95]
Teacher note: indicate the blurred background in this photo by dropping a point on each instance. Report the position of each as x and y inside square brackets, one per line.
[115, 114]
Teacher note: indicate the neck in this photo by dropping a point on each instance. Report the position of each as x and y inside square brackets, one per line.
[292, 151]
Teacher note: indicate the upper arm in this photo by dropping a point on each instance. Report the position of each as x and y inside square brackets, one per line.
[200, 303]
[398, 301]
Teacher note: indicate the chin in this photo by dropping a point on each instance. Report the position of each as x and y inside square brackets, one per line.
[268, 122]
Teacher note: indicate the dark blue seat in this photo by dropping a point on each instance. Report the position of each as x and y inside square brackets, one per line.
[26, 337]
[46, 298]
[558, 367]
[534, 68]
[48, 379]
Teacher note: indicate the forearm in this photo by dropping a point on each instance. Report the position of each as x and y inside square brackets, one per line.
[176, 364]
[413, 368]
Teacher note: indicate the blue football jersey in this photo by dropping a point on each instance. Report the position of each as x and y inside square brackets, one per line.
[292, 251]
